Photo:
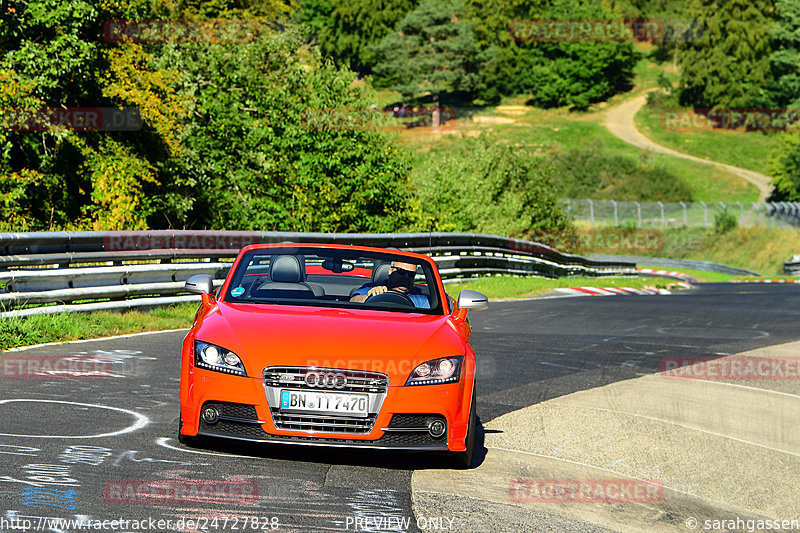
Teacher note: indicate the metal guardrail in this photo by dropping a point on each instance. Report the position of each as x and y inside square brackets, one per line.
[664, 262]
[143, 269]
[678, 214]
[792, 266]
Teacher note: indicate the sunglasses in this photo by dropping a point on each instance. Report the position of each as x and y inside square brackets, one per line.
[404, 272]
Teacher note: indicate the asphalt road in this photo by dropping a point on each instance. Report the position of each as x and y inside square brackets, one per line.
[104, 447]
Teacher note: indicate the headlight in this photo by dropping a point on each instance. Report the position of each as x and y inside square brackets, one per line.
[436, 371]
[216, 358]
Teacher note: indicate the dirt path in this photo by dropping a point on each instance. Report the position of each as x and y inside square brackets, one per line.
[619, 122]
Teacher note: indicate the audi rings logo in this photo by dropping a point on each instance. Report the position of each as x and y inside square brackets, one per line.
[326, 380]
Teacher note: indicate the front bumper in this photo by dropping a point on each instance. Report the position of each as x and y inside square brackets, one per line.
[400, 422]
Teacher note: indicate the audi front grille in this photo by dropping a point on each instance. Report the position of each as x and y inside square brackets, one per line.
[294, 377]
[277, 378]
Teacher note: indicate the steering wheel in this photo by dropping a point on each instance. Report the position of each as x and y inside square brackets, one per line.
[391, 297]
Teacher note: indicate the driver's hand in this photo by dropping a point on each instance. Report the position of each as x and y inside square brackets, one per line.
[380, 289]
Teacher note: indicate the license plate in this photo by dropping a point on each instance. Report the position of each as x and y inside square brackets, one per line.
[325, 402]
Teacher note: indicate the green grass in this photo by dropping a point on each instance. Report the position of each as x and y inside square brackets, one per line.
[541, 131]
[559, 129]
[748, 150]
[502, 287]
[715, 277]
[761, 249]
[702, 275]
[39, 329]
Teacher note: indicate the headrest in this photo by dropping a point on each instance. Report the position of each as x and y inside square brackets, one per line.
[381, 272]
[286, 269]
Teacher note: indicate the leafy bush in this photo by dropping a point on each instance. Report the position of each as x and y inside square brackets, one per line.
[659, 99]
[724, 222]
[592, 173]
[486, 187]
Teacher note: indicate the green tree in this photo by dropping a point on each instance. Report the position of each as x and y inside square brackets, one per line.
[54, 56]
[575, 73]
[279, 139]
[784, 88]
[347, 30]
[268, 10]
[432, 51]
[498, 52]
[785, 169]
[556, 74]
[728, 64]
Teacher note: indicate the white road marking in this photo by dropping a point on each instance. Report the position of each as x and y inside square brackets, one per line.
[141, 421]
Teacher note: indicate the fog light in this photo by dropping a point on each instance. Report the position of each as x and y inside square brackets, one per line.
[436, 428]
[210, 415]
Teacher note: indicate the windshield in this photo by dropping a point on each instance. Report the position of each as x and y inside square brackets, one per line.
[335, 278]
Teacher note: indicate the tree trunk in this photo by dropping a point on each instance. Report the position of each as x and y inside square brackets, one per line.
[436, 111]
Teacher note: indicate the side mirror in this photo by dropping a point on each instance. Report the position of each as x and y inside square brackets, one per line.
[472, 301]
[200, 284]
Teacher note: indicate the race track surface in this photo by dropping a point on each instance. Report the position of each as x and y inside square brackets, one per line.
[104, 447]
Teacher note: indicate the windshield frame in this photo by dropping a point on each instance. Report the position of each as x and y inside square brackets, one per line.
[426, 266]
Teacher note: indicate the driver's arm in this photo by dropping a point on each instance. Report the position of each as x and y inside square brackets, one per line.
[378, 289]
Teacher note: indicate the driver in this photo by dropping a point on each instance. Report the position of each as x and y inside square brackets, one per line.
[401, 279]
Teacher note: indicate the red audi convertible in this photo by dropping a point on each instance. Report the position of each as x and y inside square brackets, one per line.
[331, 345]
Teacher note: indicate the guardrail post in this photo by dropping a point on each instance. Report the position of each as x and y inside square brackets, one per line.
[705, 214]
[757, 207]
[663, 220]
[591, 212]
[616, 219]
[683, 205]
[639, 214]
[741, 213]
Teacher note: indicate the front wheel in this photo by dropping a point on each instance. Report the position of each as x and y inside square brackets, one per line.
[464, 459]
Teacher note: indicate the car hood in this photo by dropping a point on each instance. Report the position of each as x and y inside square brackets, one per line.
[389, 342]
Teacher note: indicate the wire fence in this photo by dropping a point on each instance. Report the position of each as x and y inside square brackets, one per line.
[694, 214]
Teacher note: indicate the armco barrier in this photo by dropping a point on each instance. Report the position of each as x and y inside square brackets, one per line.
[142, 269]
[792, 266]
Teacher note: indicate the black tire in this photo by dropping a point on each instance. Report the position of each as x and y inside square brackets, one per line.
[463, 459]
